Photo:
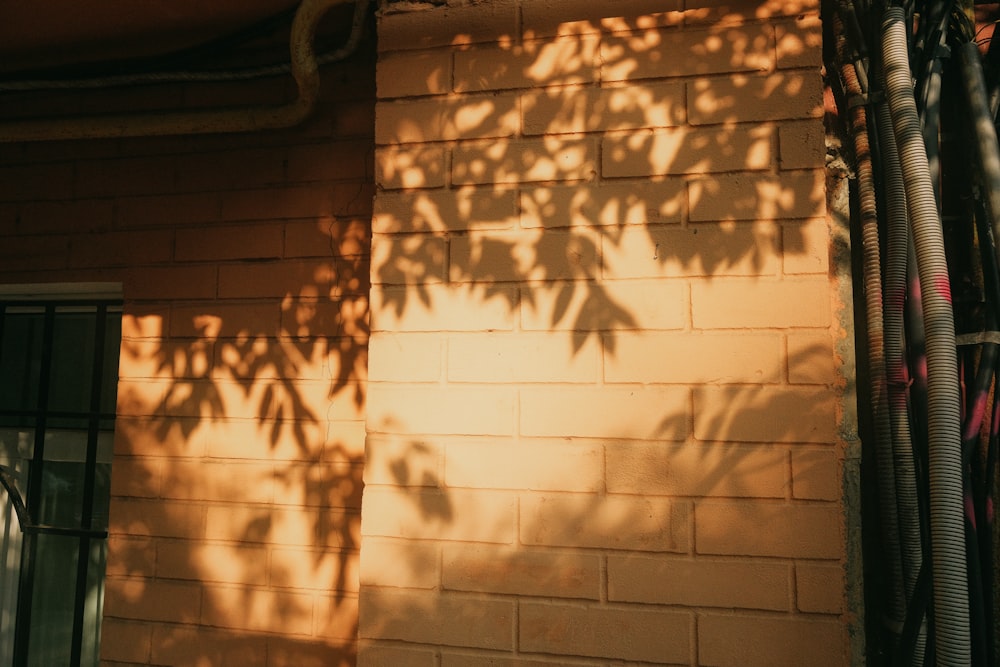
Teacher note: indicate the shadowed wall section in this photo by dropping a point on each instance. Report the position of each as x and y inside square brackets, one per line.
[236, 481]
[604, 416]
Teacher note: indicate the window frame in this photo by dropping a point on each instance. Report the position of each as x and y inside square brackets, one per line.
[102, 299]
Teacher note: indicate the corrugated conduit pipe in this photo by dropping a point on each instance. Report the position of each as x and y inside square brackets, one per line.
[897, 251]
[304, 69]
[872, 270]
[951, 601]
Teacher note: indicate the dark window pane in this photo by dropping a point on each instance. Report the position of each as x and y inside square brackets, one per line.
[72, 360]
[53, 600]
[112, 348]
[21, 359]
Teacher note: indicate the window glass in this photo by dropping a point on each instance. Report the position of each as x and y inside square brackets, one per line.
[58, 381]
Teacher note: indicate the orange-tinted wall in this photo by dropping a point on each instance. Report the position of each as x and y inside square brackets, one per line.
[604, 412]
[605, 405]
[239, 445]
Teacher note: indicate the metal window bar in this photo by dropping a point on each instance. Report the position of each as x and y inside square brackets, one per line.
[30, 529]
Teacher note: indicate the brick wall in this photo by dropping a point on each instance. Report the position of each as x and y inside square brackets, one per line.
[244, 263]
[604, 405]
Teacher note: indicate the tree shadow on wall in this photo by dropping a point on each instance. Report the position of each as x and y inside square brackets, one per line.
[552, 211]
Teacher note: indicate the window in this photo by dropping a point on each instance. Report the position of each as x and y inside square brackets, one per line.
[58, 381]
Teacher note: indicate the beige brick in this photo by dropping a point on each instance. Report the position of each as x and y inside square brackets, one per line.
[151, 600]
[131, 556]
[750, 641]
[125, 641]
[419, 617]
[669, 53]
[489, 569]
[410, 167]
[608, 203]
[223, 320]
[699, 582]
[816, 474]
[764, 414]
[697, 470]
[462, 659]
[605, 522]
[819, 587]
[264, 524]
[800, 41]
[802, 145]
[39, 181]
[144, 321]
[454, 25]
[331, 485]
[333, 277]
[744, 98]
[63, 217]
[667, 251]
[242, 608]
[229, 482]
[535, 465]
[436, 409]
[338, 160]
[523, 255]
[172, 210]
[415, 513]
[795, 194]
[141, 398]
[227, 563]
[299, 201]
[807, 246]
[36, 252]
[171, 282]
[400, 460]
[165, 360]
[161, 518]
[126, 176]
[336, 620]
[768, 529]
[327, 235]
[131, 248]
[522, 161]
[400, 563]
[573, 109]
[409, 259]
[735, 12]
[570, 16]
[405, 357]
[241, 242]
[629, 634]
[264, 440]
[409, 73]
[749, 303]
[326, 651]
[500, 358]
[190, 645]
[687, 151]
[447, 119]
[559, 61]
[137, 478]
[226, 170]
[694, 358]
[658, 413]
[371, 654]
[320, 570]
[312, 318]
[445, 210]
[810, 358]
[612, 306]
[443, 308]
